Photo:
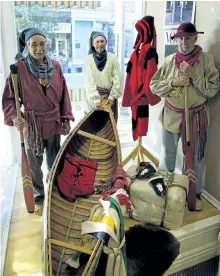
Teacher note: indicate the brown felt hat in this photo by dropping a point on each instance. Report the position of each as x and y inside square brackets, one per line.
[186, 29]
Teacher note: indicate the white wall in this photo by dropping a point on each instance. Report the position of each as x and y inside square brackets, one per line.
[210, 42]
[153, 139]
[208, 20]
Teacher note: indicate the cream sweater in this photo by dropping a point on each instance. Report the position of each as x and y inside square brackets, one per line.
[109, 78]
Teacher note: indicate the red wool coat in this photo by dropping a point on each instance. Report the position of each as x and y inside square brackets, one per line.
[51, 106]
[140, 69]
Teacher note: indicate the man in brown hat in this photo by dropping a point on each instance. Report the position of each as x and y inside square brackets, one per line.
[192, 68]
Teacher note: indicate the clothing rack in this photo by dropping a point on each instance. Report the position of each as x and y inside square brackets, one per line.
[140, 152]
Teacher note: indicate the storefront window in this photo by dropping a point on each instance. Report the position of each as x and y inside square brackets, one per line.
[68, 29]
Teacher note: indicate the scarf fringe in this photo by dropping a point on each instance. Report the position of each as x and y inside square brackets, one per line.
[198, 128]
[34, 131]
[34, 125]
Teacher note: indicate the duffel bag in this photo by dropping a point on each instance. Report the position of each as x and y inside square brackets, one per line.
[167, 210]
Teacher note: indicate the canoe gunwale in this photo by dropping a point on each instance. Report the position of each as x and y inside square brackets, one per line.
[65, 245]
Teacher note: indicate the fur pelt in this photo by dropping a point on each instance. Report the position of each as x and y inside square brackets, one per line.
[150, 250]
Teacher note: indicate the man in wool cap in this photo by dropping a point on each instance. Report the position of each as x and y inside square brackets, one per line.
[102, 74]
[47, 108]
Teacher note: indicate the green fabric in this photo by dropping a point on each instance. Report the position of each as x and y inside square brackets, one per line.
[114, 205]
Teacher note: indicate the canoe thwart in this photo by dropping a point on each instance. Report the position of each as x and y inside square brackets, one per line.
[97, 138]
[71, 246]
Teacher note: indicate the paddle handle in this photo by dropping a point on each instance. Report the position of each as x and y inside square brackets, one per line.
[13, 69]
[94, 259]
[187, 116]
[25, 169]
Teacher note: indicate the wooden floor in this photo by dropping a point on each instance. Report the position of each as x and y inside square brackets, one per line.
[23, 255]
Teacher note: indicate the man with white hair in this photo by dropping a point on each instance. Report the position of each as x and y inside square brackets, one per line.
[193, 68]
[47, 108]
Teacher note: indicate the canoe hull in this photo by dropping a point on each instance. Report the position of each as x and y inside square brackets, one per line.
[95, 139]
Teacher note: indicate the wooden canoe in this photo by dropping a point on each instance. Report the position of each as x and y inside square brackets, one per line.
[95, 138]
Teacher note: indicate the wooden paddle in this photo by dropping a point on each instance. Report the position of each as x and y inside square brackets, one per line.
[92, 264]
[187, 116]
[25, 170]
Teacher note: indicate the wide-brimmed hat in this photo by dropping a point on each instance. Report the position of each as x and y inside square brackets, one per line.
[186, 29]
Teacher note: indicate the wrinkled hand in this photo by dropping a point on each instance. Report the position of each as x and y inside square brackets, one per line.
[18, 123]
[111, 102]
[187, 70]
[98, 106]
[66, 127]
[181, 81]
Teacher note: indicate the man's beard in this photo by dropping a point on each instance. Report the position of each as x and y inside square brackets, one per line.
[186, 51]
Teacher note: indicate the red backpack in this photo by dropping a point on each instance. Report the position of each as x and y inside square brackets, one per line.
[77, 177]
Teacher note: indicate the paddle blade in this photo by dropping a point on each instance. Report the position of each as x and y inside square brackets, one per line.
[28, 188]
[191, 199]
[106, 107]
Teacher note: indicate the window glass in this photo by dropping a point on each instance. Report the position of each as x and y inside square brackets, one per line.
[68, 30]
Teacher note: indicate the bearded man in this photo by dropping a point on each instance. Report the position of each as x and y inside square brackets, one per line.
[196, 70]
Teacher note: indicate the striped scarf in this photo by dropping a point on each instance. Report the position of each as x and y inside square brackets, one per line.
[198, 131]
[43, 72]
